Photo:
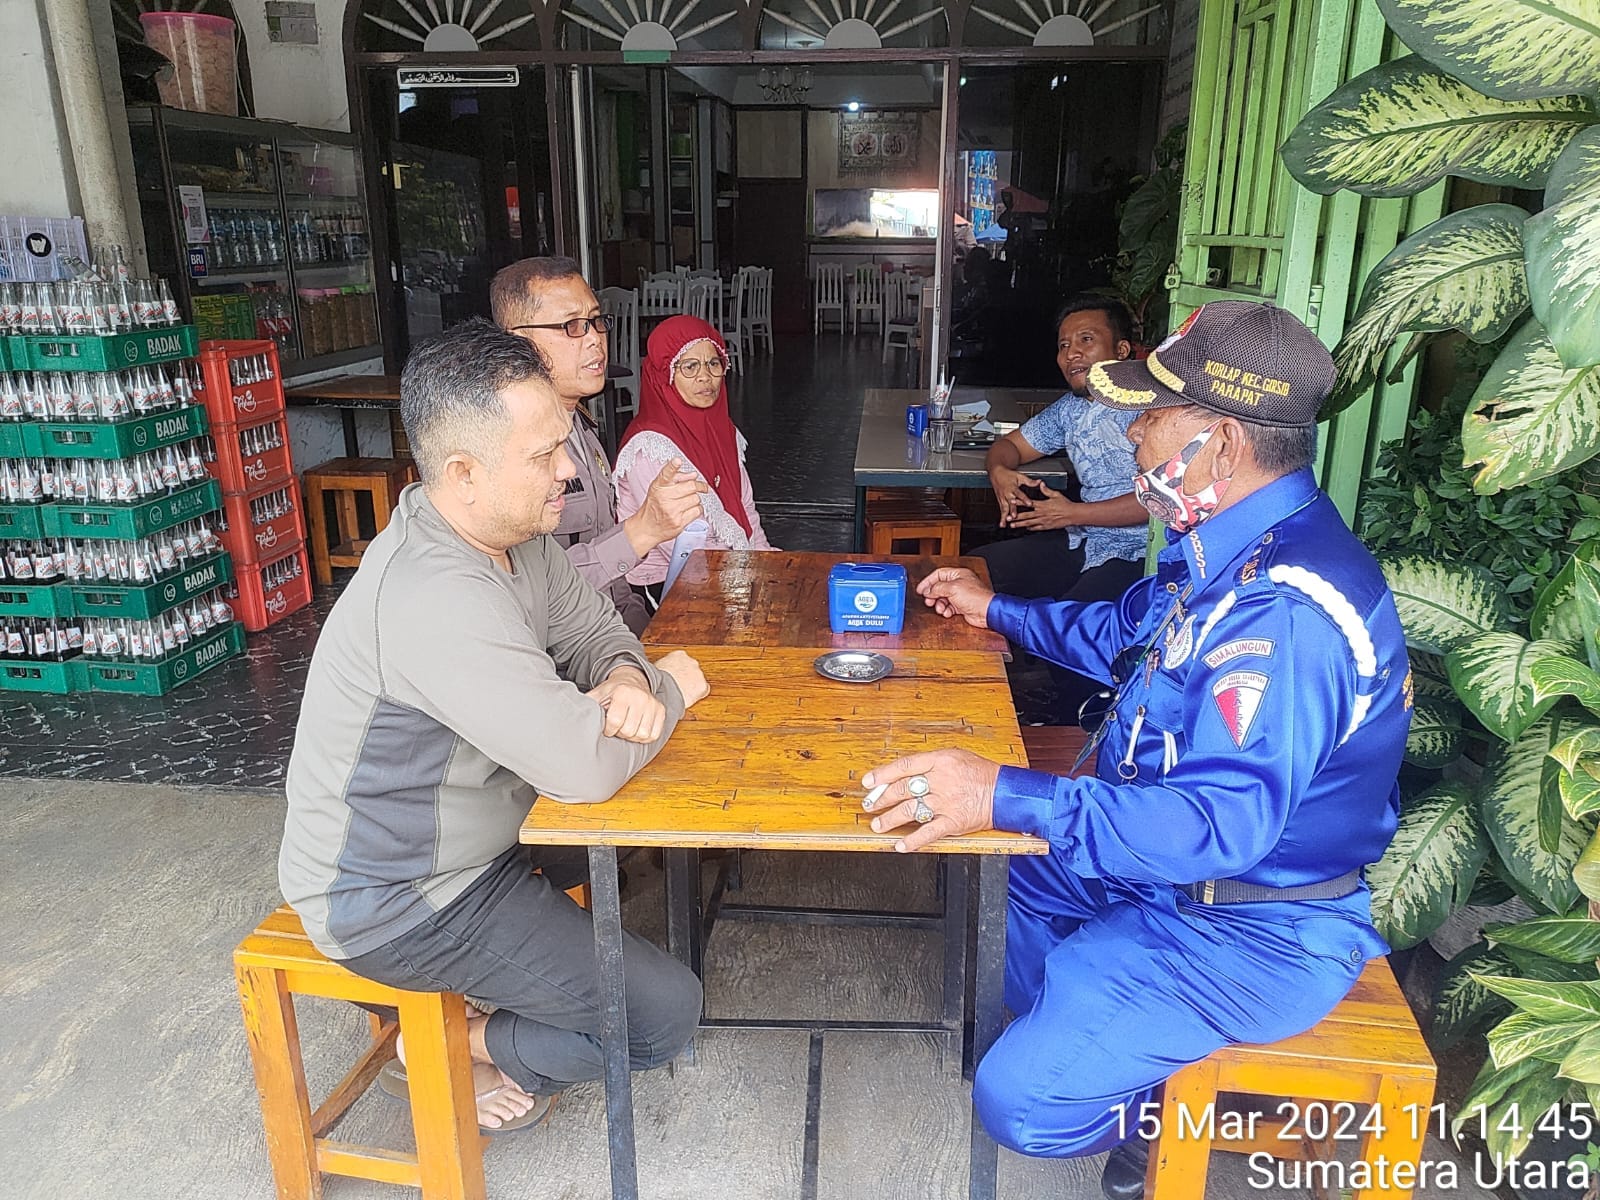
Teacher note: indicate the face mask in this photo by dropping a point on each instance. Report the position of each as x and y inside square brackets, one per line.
[1160, 489]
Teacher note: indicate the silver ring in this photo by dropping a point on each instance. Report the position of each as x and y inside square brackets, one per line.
[917, 785]
[923, 814]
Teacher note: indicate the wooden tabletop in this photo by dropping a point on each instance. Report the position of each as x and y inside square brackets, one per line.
[780, 598]
[364, 391]
[773, 757]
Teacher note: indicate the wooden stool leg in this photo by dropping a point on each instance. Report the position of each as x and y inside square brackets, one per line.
[317, 523]
[881, 540]
[444, 1111]
[349, 516]
[382, 506]
[1181, 1155]
[281, 1082]
[1403, 1131]
[950, 542]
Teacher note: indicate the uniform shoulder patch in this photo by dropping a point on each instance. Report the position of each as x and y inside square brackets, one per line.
[1238, 695]
[1238, 648]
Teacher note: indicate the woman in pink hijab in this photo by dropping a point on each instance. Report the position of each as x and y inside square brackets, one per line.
[683, 414]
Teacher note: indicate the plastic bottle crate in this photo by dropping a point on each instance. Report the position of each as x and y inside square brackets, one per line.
[228, 403]
[19, 439]
[259, 606]
[35, 599]
[141, 601]
[250, 541]
[25, 522]
[102, 352]
[129, 520]
[119, 439]
[240, 472]
[22, 675]
[159, 678]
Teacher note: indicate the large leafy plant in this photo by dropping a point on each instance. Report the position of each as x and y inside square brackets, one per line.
[1506, 723]
[1502, 92]
[1147, 234]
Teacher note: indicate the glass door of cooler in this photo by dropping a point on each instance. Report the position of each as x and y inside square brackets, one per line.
[330, 251]
[214, 221]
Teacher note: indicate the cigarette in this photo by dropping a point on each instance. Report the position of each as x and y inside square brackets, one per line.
[872, 796]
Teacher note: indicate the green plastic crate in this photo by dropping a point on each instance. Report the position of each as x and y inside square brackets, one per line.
[135, 520]
[59, 677]
[104, 352]
[24, 521]
[118, 439]
[157, 679]
[19, 439]
[143, 601]
[35, 600]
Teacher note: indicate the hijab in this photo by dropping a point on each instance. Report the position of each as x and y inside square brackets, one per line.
[705, 435]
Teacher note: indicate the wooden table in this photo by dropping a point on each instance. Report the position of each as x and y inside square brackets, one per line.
[772, 759]
[348, 393]
[780, 598]
[886, 456]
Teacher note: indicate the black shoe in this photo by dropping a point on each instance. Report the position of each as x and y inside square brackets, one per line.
[1122, 1178]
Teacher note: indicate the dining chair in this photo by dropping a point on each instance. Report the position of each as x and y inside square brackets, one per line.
[622, 306]
[827, 295]
[901, 326]
[702, 298]
[759, 320]
[732, 325]
[661, 298]
[866, 297]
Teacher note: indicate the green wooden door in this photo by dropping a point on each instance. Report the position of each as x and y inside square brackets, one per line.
[1249, 232]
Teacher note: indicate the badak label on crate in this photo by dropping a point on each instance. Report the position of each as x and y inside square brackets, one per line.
[207, 655]
[171, 427]
[169, 343]
[196, 581]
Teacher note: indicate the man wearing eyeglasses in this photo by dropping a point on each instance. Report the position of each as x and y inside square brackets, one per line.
[547, 301]
[1205, 886]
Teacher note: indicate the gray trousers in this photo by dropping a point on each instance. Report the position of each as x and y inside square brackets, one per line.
[517, 941]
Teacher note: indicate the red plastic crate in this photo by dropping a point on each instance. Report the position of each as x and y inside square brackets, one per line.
[250, 541]
[239, 472]
[228, 403]
[258, 606]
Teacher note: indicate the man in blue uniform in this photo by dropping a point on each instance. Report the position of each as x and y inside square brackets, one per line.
[1204, 888]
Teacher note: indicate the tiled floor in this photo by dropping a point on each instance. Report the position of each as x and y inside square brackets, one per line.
[234, 727]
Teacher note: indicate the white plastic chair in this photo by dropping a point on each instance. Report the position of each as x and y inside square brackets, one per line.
[622, 306]
[758, 318]
[661, 297]
[732, 326]
[703, 298]
[827, 295]
[866, 298]
[902, 327]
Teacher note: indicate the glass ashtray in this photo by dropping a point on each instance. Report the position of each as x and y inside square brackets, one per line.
[854, 666]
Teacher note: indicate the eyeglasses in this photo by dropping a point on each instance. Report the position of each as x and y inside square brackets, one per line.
[1092, 713]
[690, 368]
[577, 327]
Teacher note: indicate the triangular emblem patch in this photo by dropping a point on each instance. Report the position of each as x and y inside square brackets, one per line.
[1238, 696]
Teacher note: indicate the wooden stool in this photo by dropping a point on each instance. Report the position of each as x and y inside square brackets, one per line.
[1363, 1063]
[277, 962]
[926, 522]
[380, 478]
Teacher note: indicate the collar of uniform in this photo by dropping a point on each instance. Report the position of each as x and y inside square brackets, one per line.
[1210, 549]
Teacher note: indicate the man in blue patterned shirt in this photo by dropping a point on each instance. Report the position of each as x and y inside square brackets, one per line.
[1092, 548]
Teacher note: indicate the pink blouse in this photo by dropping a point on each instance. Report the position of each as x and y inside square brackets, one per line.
[638, 464]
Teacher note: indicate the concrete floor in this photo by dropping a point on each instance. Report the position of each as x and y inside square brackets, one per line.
[123, 1069]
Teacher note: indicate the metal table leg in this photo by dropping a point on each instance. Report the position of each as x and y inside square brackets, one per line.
[993, 882]
[955, 869]
[684, 941]
[614, 1020]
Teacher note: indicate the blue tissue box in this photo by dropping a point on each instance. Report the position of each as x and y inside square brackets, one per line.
[867, 598]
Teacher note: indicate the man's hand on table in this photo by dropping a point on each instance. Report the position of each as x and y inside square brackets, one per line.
[686, 673]
[960, 794]
[632, 711]
[956, 592]
[671, 503]
[1054, 511]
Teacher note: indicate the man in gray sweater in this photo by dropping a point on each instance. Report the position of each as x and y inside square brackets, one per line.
[466, 669]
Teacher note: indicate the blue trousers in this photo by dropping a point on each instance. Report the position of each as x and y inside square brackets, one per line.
[1115, 986]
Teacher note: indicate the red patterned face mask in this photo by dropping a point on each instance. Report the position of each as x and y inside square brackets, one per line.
[1160, 489]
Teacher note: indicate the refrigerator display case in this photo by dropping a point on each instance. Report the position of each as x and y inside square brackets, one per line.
[262, 228]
